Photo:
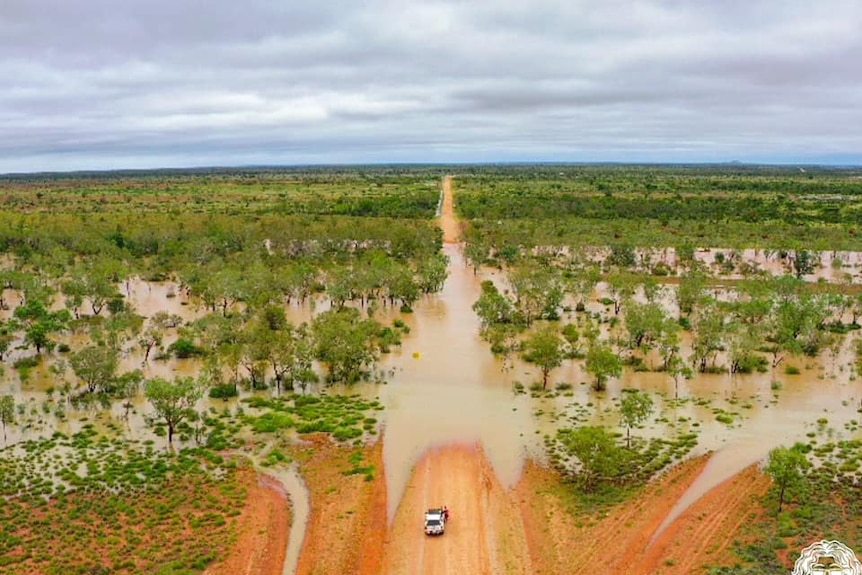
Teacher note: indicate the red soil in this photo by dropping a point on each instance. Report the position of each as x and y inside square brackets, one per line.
[264, 524]
[526, 530]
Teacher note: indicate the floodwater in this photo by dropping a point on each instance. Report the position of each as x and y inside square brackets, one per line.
[445, 386]
[448, 387]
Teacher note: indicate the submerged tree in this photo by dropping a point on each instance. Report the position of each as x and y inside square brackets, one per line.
[603, 363]
[96, 367]
[545, 349]
[635, 407]
[7, 412]
[174, 401]
[346, 343]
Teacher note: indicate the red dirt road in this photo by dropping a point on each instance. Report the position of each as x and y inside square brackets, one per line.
[448, 222]
[485, 533]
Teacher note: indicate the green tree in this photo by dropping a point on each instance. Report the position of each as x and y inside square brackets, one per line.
[492, 307]
[291, 357]
[74, 290]
[7, 412]
[601, 458]
[432, 272]
[795, 325]
[403, 287]
[786, 466]
[98, 280]
[709, 334]
[154, 334]
[538, 292]
[345, 343]
[581, 282]
[677, 369]
[40, 323]
[544, 348]
[622, 286]
[622, 256]
[7, 336]
[96, 367]
[691, 292]
[803, 263]
[645, 324]
[174, 401]
[126, 387]
[476, 251]
[635, 408]
[603, 363]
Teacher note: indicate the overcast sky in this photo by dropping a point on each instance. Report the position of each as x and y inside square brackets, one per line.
[103, 84]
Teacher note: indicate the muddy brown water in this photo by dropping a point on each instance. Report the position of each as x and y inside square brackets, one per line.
[446, 386]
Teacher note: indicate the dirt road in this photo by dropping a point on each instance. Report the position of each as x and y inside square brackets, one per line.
[450, 224]
[485, 533]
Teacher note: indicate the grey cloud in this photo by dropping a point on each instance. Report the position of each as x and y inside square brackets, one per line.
[149, 83]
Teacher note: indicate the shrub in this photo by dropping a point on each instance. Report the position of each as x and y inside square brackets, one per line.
[184, 348]
[223, 391]
[724, 418]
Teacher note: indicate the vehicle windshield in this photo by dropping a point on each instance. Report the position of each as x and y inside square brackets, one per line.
[432, 522]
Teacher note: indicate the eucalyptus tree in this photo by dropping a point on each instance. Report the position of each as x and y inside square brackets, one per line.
[580, 282]
[7, 412]
[603, 363]
[74, 291]
[285, 349]
[96, 366]
[174, 401]
[544, 347]
[10, 279]
[153, 335]
[677, 368]
[118, 329]
[291, 358]
[341, 286]
[346, 344]
[7, 336]
[254, 357]
[492, 307]
[669, 343]
[403, 287]
[228, 286]
[795, 326]
[297, 280]
[601, 459]
[432, 271]
[709, 332]
[40, 323]
[743, 341]
[622, 285]
[538, 291]
[691, 292]
[786, 467]
[803, 263]
[645, 324]
[476, 251]
[635, 408]
[258, 286]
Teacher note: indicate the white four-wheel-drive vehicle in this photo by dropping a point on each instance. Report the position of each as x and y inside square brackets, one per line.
[435, 521]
